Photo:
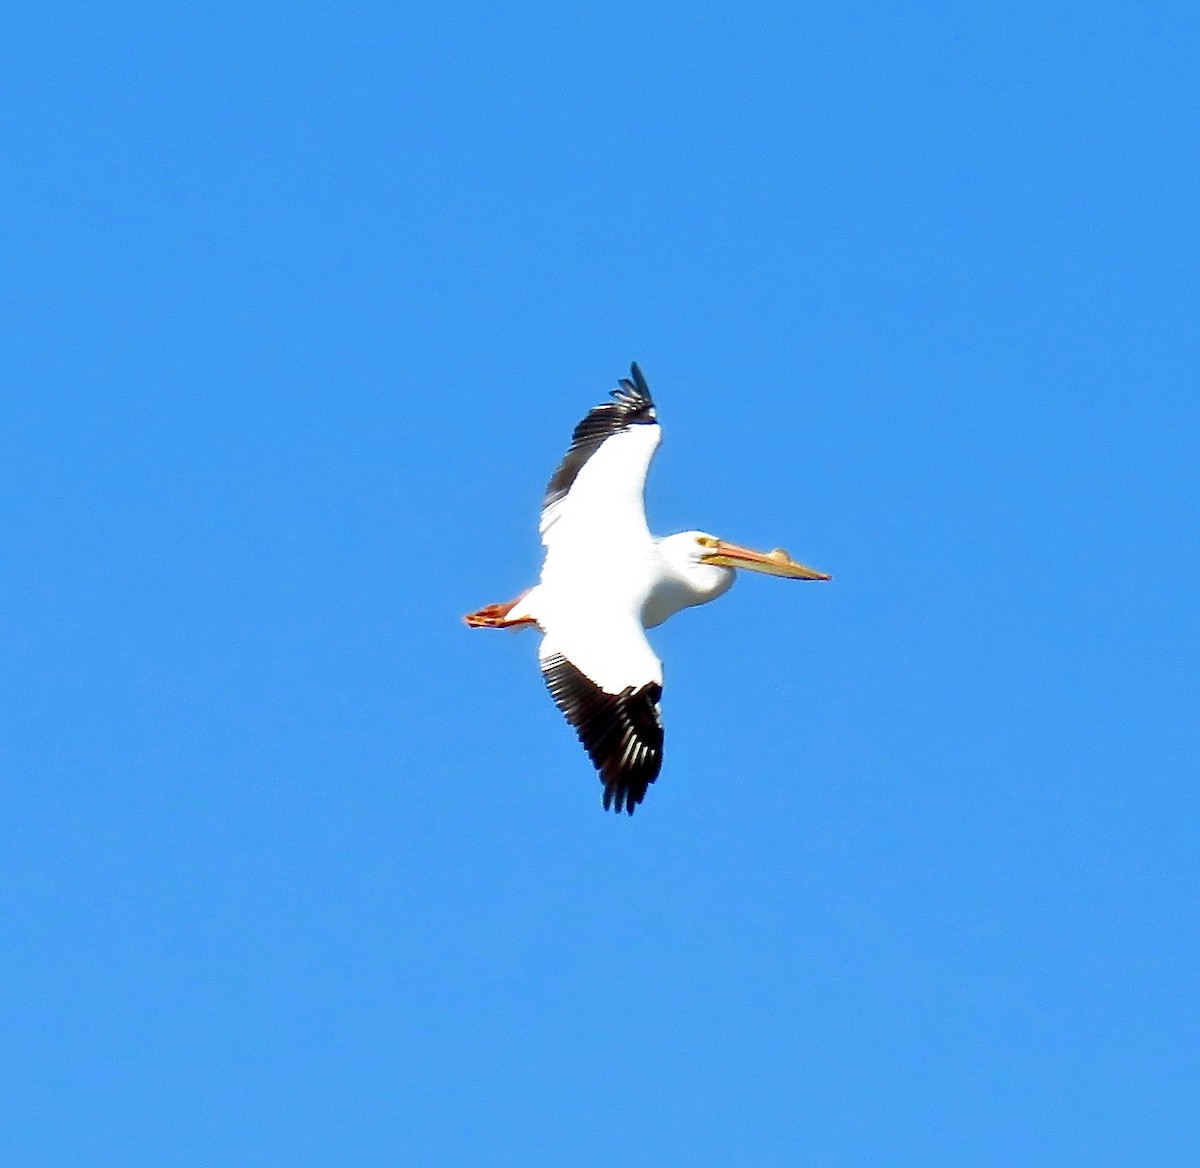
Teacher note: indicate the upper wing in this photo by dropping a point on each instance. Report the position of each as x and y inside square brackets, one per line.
[607, 682]
[599, 485]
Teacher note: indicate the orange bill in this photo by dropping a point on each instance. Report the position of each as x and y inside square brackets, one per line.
[773, 563]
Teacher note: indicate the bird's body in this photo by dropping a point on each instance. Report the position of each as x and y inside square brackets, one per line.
[605, 579]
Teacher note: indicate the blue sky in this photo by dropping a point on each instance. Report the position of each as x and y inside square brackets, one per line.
[302, 302]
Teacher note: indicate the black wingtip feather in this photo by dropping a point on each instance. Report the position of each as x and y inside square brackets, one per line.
[621, 732]
[631, 405]
[636, 371]
[634, 388]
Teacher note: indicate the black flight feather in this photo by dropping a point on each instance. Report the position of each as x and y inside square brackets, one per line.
[631, 405]
[622, 733]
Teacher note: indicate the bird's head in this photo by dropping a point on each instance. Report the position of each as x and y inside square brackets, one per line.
[698, 547]
[707, 562]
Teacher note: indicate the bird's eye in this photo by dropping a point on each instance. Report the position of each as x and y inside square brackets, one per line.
[706, 541]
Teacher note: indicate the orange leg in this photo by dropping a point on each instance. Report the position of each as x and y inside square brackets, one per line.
[494, 616]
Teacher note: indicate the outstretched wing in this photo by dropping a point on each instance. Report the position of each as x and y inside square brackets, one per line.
[599, 485]
[607, 682]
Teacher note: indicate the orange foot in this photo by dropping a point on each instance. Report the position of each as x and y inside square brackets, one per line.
[495, 616]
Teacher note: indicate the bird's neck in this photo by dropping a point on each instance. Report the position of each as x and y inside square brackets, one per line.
[679, 586]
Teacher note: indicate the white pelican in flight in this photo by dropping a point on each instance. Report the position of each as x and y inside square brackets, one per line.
[606, 579]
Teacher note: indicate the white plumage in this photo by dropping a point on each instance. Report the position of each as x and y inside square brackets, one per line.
[605, 579]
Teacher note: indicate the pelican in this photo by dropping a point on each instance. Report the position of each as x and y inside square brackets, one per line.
[605, 580]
